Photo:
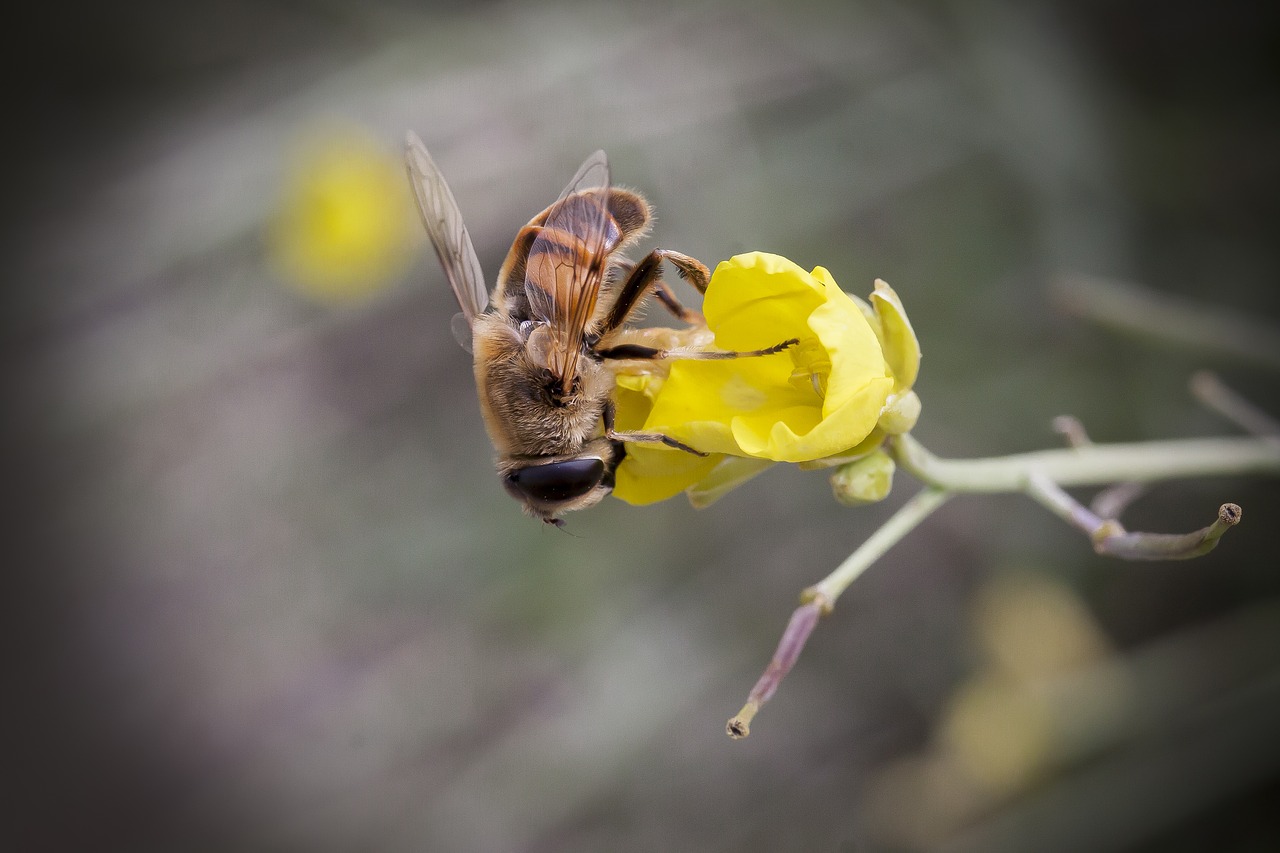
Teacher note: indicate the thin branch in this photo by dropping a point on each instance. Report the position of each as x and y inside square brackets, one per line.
[818, 600]
[1213, 393]
[1094, 465]
[803, 621]
[1168, 546]
[1112, 501]
[1111, 539]
[1049, 494]
[1202, 326]
[1072, 429]
[902, 522]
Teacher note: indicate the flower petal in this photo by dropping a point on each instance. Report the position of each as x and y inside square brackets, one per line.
[755, 299]
[901, 346]
[853, 350]
[731, 472]
[801, 434]
[651, 473]
[701, 400]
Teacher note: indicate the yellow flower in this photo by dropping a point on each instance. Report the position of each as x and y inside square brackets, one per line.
[831, 397]
[345, 224]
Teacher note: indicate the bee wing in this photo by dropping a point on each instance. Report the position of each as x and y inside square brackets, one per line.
[566, 265]
[443, 221]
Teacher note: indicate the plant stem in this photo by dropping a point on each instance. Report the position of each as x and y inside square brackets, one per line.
[817, 601]
[1214, 393]
[1093, 464]
[1040, 475]
[899, 525]
[1193, 325]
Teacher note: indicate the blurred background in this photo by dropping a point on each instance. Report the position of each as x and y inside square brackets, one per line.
[266, 593]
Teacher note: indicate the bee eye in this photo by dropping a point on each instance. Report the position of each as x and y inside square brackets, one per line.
[556, 482]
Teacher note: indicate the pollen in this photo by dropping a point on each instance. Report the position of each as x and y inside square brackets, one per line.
[812, 367]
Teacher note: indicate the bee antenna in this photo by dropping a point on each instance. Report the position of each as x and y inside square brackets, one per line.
[558, 523]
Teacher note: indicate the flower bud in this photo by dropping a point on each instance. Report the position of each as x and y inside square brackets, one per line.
[900, 413]
[865, 481]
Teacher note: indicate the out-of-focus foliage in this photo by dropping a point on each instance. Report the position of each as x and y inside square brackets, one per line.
[270, 594]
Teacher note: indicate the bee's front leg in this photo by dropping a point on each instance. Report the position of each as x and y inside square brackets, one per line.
[637, 437]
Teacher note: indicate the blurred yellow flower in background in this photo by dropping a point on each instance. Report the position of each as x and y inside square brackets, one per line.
[833, 396]
[344, 225]
[1049, 691]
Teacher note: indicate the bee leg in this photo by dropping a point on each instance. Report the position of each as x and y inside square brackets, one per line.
[653, 438]
[690, 269]
[640, 352]
[672, 304]
[645, 276]
[637, 437]
[668, 298]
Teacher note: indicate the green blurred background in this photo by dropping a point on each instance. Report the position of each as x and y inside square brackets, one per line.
[266, 592]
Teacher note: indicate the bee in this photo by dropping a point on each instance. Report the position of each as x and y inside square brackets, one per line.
[548, 345]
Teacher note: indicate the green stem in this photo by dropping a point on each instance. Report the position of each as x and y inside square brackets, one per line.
[1093, 464]
[1190, 324]
[1040, 475]
[899, 525]
[1214, 393]
[818, 600]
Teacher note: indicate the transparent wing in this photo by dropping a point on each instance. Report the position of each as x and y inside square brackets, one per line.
[443, 221]
[566, 265]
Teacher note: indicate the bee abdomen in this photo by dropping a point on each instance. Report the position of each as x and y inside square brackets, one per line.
[630, 213]
[625, 217]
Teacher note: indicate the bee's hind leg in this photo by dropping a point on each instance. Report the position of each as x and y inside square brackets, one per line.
[646, 276]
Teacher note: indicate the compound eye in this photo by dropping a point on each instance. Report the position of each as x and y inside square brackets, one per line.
[556, 482]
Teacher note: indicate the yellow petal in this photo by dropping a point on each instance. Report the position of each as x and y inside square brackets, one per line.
[853, 350]
[901, 347]
[757, 300]
[731, 472]
[870, 444]
[811, 427]
[651, 473]
[802, 434]
[701, 400]
[633, 399]
[752, 406]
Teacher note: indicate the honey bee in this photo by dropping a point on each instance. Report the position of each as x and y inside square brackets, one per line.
[547, 346]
